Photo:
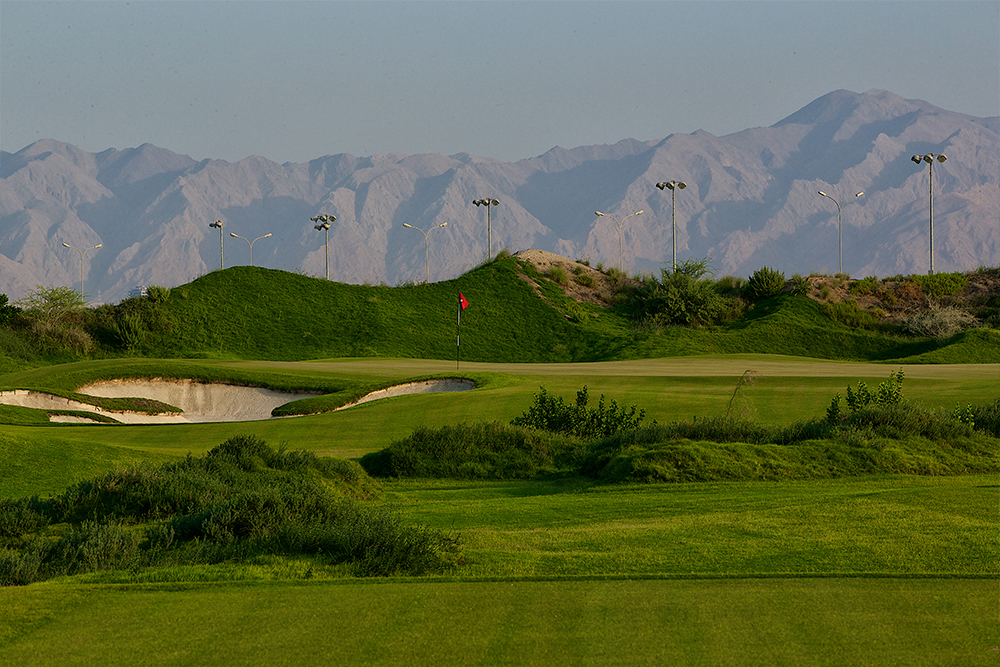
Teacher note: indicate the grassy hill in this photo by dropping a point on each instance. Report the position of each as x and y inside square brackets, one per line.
[515, 315]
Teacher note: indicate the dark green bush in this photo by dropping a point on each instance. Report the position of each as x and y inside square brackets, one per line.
[552, 413]
[937, 285]
[686, 296]
[764, 283]
[848, 313]
[475, 451]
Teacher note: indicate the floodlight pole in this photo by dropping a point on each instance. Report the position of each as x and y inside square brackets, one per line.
[840, 235]
[427, 256]
[250, 243]
[674, 186]
[619, 223]
[929, 159]
[222, 251]
[489, 227]
[82, 253]
[323, 222]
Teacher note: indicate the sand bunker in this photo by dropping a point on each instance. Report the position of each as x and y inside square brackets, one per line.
[201, 402]
[422, 387]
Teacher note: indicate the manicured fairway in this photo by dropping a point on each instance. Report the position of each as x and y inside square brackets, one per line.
[741, 622]
[787, 389]
[875, 571]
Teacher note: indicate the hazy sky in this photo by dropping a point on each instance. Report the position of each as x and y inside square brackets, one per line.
[293, 81]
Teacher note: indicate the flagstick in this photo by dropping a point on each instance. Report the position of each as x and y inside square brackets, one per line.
[458, 336]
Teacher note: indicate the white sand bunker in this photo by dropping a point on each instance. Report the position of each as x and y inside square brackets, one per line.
[422, 387]
[201, 402]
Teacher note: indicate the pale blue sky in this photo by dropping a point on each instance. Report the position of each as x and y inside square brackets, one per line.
[293, 81]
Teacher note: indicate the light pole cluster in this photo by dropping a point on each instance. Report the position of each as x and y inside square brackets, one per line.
[323, 223]
[929, 158]
[489, 228]
[82, 253]
[673, 186]
[222, 251]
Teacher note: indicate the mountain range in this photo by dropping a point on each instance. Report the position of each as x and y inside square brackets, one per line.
[750, 201]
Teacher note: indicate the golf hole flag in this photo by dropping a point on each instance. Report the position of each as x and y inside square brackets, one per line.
[463, 303]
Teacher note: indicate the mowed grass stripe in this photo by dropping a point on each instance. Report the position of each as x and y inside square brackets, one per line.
[772, 622]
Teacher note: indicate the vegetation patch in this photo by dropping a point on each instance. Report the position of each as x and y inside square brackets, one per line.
[476, 451]
[243, 500]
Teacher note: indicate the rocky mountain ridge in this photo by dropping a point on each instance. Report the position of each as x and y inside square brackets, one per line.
[751, 200]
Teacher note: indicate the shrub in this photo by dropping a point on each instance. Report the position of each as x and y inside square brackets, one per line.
[552, 413]
[764, 283]
[7, 312]
[940, 322]
[864, 287]
[157, 293]
[585, 279]
[558, 275]
[685, 295]
[475, 451]
[847, 312]
[937, 285]
[888, 393]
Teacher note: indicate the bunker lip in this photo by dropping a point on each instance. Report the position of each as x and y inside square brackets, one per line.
[419, 387]
[200, 401]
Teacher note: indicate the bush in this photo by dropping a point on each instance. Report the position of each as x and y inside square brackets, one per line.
[940, 322]
[686, 296]
[764, 283]
[937, 285]
[475, 451]
[7, 312]
[552, 413]
[848, 313]
[242, 500]
[558, 275]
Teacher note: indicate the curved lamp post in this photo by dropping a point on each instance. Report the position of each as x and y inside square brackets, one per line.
[674, 186]
[222, 252]
[929, 159]
[323, 222]
[619, 223]
[840, 234]
[82, 253]
[250, 243]
[489, 228]
[427, 257]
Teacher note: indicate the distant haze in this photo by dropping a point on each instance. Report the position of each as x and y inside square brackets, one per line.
[751, 200]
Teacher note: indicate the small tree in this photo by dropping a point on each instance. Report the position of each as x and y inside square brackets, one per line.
[51, 305]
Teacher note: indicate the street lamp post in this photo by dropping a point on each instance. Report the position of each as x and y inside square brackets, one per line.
[250, 243]
[427, 256]
[674, 186]
[82, 253]
[222, 251]
[323, 222]
[619, 223]
[489, 227]
[840, 234]
[929, 159]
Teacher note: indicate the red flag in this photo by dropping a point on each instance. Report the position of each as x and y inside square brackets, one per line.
[462, 301]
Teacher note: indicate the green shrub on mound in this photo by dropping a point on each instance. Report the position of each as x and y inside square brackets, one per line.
[241, 501]
[476, 451]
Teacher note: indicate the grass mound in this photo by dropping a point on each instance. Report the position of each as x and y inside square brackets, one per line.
[894, 439]
[476, 451]
[241, 501]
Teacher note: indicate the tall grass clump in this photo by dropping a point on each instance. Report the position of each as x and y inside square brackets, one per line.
[241, 501]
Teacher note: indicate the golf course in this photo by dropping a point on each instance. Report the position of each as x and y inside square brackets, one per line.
[264, 468]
